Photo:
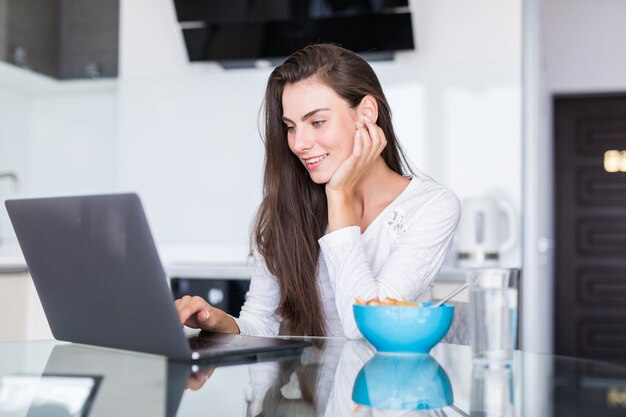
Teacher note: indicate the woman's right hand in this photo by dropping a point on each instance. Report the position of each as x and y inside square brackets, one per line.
[198, 379]
[196, 313]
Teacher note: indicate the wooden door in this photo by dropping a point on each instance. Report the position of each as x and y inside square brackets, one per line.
[590, 220]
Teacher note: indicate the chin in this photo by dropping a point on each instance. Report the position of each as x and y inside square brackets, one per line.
[319, 179]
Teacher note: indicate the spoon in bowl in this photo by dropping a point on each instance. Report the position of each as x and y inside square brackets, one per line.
[449, 296]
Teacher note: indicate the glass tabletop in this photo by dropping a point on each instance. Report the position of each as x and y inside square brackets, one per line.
[334, 377]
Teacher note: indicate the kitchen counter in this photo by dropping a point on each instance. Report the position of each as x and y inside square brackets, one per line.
[12, 265]
[206, 261]
[190, 260]
[11, 260]
[334, 378]
[201, 261]
[232, 262]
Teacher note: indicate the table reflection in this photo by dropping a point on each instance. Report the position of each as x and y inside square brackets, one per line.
[335, 377]
[348, 378]
[47, 395]
[403, 382]
[295, 388]
[493, 392]
[75, 380]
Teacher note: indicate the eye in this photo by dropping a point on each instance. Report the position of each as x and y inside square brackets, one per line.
[318, 123]
[290, 129]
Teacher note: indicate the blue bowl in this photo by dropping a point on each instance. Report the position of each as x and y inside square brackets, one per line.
[402, 382]
[403, 329]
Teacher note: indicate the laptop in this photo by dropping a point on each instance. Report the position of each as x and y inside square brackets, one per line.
[100, 280]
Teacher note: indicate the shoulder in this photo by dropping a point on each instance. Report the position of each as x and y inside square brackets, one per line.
[424, 194]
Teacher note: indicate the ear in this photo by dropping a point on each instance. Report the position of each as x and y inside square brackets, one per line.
[369, 107]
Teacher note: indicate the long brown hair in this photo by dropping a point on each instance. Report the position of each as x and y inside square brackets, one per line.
[293, 214]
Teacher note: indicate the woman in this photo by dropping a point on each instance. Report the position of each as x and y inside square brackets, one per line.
[340, 218]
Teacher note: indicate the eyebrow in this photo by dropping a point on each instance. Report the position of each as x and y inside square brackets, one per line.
[306, 116]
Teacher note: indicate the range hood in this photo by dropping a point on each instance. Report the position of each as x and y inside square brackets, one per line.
[238, 33]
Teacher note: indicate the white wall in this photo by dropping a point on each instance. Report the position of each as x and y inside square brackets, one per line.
[13, 147]
[584, 45]
[58, 139]
[71, 143]
[185, 136]
[192, 148]
[188, 133]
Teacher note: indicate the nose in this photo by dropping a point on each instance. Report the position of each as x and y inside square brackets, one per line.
[303, 141]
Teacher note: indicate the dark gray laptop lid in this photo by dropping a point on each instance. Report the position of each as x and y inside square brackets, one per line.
[97, 272]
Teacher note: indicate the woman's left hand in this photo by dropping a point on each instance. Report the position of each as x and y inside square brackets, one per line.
[369, 142]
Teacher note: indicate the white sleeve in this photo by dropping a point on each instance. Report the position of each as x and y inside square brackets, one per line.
[258, 314]
[262, 377]
[417, 256]
[353, 357]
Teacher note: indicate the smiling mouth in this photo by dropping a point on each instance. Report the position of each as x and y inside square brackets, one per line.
[315, 160]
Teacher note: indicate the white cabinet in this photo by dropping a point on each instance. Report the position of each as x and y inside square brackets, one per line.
[21, 314]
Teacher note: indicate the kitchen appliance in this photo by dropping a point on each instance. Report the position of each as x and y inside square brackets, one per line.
[238, 33]
[486, 230]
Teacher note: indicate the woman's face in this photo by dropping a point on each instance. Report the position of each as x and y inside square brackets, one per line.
[320, 127]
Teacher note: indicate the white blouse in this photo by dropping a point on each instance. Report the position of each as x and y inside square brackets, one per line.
[398, 255]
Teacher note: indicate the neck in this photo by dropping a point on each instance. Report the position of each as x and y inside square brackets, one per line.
[372, 194]
[378, 182]
[377, 189]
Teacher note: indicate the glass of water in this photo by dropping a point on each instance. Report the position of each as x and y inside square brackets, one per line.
[493, 315]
